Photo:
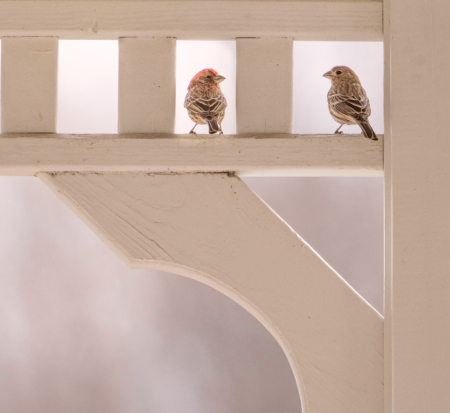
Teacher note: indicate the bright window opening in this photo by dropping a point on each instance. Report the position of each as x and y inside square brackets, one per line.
[194, 56]
[88, 86]
[312, 60]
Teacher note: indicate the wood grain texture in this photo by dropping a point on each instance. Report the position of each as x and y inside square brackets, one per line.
[191, 20]
[258, 155]
[419, 50]
[213, 228]
[218, 1]
[388, 224]
[147, 85]
[264, 85]
[29, 84]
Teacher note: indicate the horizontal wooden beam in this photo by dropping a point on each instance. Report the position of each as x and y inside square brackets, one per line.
[249, 154]
[192, 20]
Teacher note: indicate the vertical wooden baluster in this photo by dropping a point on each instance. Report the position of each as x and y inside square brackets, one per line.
[147, 85]
[29, 84]
[264, 95]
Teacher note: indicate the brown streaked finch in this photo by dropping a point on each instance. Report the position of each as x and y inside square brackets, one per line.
[347, 100]
[205, 101]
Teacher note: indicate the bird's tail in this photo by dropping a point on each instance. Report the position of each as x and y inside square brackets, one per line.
[213, 126]
[367, 130]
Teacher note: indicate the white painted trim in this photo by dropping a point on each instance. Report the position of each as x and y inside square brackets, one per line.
[419, 176]
[29, 84]
[213, 228]
[255, 154]
[264, 85]
[187, 20]
[147, 85]
[388, 223]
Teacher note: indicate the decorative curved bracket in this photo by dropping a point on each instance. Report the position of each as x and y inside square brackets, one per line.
[213, 228]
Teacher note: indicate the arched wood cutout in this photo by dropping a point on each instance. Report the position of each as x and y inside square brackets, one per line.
[213, 228]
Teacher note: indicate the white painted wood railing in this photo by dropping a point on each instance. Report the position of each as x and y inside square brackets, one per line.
[245, 154]
[359, 20]
[147, 105]
[168, 201]
[335, 345]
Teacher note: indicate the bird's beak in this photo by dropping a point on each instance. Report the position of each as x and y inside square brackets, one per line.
[328, 75]
[218, 79]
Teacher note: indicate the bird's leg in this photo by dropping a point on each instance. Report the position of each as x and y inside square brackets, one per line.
[192, 130]
[337, 130]
[220, 130]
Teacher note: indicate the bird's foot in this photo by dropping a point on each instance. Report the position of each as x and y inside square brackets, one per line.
[192, 132]
[220, 133]
[338, 133]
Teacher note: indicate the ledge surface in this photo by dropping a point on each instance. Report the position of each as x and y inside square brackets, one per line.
[191, 20]
[250, 154]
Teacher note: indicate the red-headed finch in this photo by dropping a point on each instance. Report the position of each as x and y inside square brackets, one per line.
[347, 100]
[205, 101]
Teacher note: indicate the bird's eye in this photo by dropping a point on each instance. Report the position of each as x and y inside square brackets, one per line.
[338, 72]
[208, 77]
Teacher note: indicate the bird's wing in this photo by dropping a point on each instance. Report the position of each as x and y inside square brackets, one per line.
[220, 104]
[354, 104]
[207, 107]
